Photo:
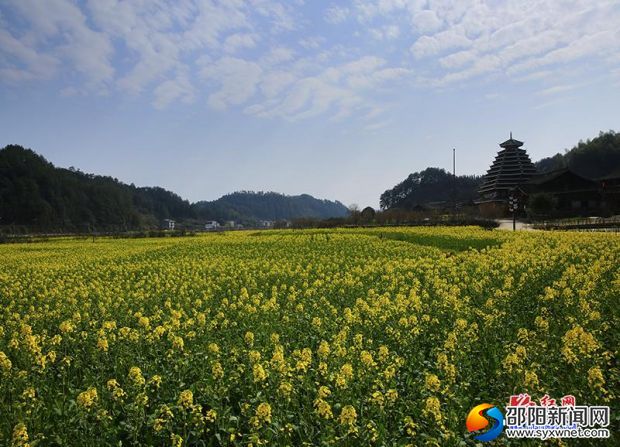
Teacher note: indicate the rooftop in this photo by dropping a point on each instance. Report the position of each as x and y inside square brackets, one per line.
[511, 142]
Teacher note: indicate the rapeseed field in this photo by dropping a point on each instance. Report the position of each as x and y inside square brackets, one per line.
[343, 337]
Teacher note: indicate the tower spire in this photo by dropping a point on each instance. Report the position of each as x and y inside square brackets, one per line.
[511, 134]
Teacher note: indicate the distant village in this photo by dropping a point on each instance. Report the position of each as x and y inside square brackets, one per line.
[214, 225]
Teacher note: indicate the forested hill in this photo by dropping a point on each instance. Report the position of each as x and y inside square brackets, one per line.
[37, 196]
[268, 206]
[430, 185]
[593, 158]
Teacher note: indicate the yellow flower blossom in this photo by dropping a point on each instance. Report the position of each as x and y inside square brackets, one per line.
[578, 344]
[214, 348]
[348, 415]
[66, 327]
[323, 409]
[432, 409]
[5, 362]
[324, 392]
[20, 436]
[323, 350]
[135, 376]
[211, 416]
[383, 353]
[217, 371]
[391, 395]
[367, 360]
[176, 440]
[530, 380]
[249, 338]
[258, 372]
[595, 378]
[254, 356]
[87, 399]
[263, 414]
[102, 344]
[186, 399]
[432, 382]
[285, 389]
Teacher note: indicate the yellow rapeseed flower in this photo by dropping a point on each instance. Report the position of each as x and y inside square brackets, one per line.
[432, 382]
[595, 378]
[285, 389]
[348, 415]
[432, 409]
[20, 436]
[135, 376]
[249, 338]
[323, 409]
[263, 413]
[186, 399]
[5, 362]
[87, 399]
[258, 372]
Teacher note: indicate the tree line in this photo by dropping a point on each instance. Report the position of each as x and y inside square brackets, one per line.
[37, 196]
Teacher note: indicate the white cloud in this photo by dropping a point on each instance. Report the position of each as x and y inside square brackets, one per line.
[212, 19]
[172, 90]
[438, 43]
[311, 42]
[517, 39]
[426, 21]
[339, 90]
[336, 15]
[278, 55]
[456, 60]
[313, 96]
[237, 80]
[30, 63]
[274, 83]
[280, 14]
[385, 33]
[62, 22]
[558, 89]
[599, 43]
[240, 41]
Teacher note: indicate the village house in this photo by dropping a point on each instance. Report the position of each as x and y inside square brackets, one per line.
[212, 225]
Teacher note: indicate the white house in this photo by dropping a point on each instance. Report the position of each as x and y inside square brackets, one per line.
[212, 225]
[168, 224]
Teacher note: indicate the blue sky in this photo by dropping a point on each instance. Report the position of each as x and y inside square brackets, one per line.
[341, 100]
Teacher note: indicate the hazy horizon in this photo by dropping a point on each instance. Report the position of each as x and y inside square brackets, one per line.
[339, 100]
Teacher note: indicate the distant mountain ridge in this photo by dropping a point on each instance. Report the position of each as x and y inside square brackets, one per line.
[37, 196]
[268, 206]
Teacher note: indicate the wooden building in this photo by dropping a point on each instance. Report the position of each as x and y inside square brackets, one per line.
[610, 192]
[562, 193]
